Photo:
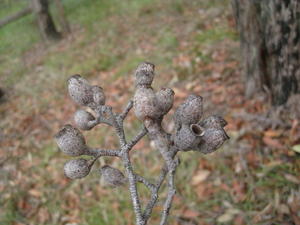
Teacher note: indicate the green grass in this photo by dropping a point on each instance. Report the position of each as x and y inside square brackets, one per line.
[20, 36]
[215, 34]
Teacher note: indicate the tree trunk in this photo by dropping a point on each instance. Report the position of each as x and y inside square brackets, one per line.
[44, 19]
[270, 46]
[61, 16]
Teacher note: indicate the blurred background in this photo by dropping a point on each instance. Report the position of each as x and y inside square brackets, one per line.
[243, 58]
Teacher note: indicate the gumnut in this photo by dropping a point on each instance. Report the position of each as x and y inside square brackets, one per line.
[71, 141]
[188, 137]
[212, 139]
[80, 90]
[77, 168]
[145, 104]
[165, 99]
[112, 176]
[98, 95]
[189, 112]
[213, 121]
[84, 120]
[144, 74]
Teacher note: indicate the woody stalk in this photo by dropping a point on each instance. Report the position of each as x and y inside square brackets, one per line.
[190, 134]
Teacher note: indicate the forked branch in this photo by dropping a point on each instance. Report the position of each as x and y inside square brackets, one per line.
[191, 133]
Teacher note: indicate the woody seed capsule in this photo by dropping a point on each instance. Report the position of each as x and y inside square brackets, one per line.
[112, 176]
[80, 90]
[70, 141]
[165, 99]
[190, 111]
[212, 139]
[84, 120]
[77, 168]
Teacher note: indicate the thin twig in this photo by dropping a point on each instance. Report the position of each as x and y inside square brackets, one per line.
[143, 180]
[103, 152]
[133, 189]
[137, 138]
[168, 202]
[126, 110]
[117, 123]
[154, 194]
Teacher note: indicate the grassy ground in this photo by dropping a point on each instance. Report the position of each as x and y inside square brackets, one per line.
[195, 48]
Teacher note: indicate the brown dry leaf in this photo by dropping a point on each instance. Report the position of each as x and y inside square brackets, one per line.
[189, 213]
[272, 133]
[43, 215]
[239, 192]
[228, 216]
[179, 93]
[35, 193]
[200, 176]
[292, 178]
[266, 210]
[239, 220]
[272, 142]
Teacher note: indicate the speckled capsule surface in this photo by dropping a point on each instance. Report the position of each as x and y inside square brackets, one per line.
[145, 104]
[84, 120]
[80, 90]
[212, 139]
[112, 176]
[70, 141]
[188, 137]
[98, 95]
[213, 121]
[76, 168]
[190, 111]
[144, 74]
[165, 99]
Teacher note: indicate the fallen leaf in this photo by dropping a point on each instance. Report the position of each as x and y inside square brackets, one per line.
[190, 213]
[291, 178]
[296, 148]
[35, 193]
[272, 142]
[272, 133]
[200, 176]
[228, 215]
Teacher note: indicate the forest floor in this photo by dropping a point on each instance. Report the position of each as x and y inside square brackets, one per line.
[253, 179]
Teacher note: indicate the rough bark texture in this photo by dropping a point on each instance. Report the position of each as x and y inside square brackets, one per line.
[44, 19]
[62, 17]
[270, 45]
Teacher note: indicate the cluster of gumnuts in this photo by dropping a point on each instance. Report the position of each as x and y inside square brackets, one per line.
[191, 133]
[71, 141]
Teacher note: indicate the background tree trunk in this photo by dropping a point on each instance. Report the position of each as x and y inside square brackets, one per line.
[44, 19]
[62, 17]
[270, 46]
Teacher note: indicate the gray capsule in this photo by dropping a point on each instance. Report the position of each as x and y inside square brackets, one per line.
[77, 168]
[188, 137]
[212, 139]
[84, 120]
[112, 176]
[165, 99]
[213, 121]
[80, 90]
[98, 95]
[190, 111]
[144, 74]
[70, 141]
[145, 104]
